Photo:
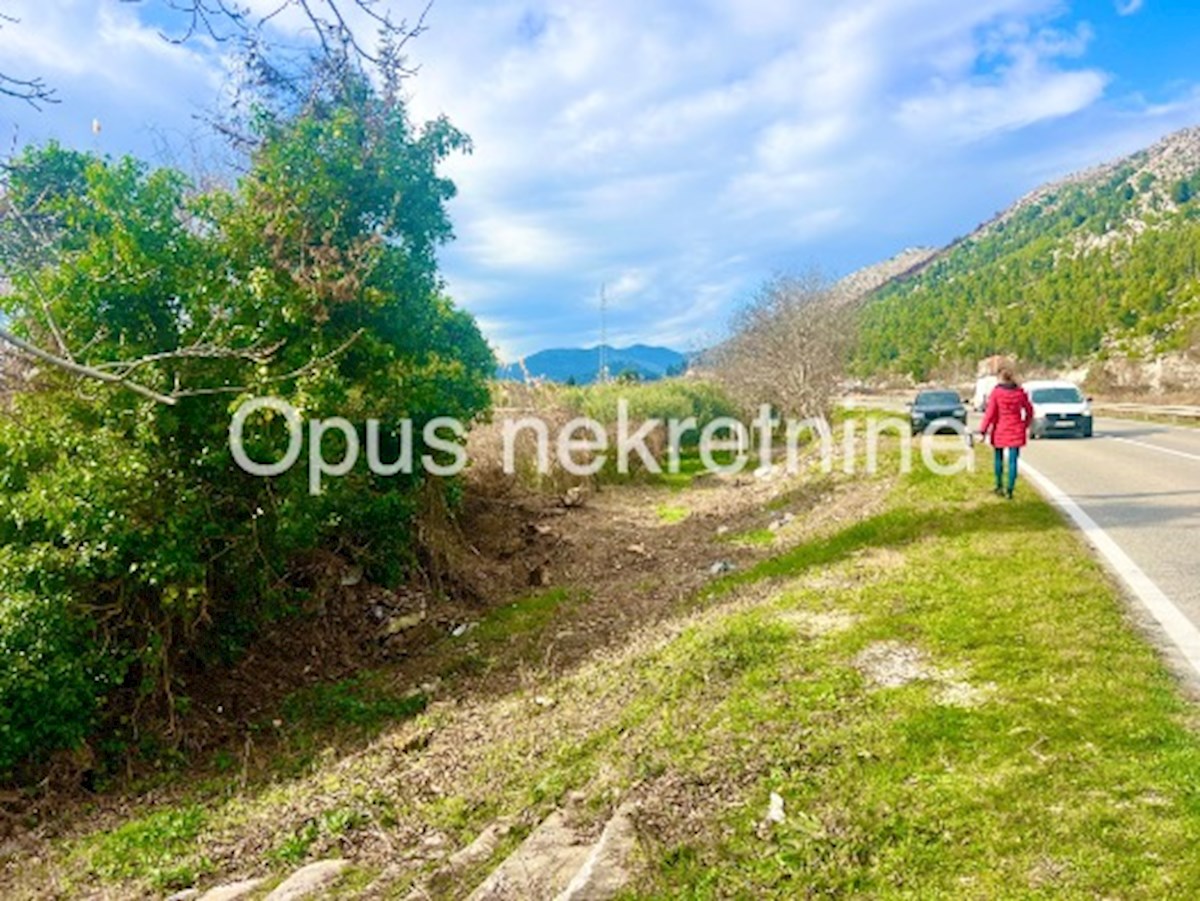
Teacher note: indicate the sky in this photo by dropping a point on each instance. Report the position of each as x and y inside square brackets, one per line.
[676, 154]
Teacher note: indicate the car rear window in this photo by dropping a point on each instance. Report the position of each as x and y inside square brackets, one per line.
[938, 397]
[1056, 396]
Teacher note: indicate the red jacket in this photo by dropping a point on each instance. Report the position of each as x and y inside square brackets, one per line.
[1008, 417]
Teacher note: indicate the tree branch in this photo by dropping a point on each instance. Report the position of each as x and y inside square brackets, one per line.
[79, 369]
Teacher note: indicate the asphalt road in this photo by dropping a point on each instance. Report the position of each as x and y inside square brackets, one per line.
[1140, 482]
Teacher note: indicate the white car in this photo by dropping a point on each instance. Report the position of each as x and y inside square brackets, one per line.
[1059, 408]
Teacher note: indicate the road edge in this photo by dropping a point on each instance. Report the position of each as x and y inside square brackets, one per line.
[1178, 628]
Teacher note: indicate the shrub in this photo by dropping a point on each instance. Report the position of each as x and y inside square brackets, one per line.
[314, 280]
[666, 399]
[53, 676]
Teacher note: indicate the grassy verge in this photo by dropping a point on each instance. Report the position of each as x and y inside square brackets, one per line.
[1028, 743]
[947, 695]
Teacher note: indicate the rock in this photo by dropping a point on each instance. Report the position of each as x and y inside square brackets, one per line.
[186, 895]
[402, 623]
[788, 518]
[573, 498]
[720, 568]
[775, 525]
[605, 873]
[639, 549]
[483, 847]
[539, 577]
[233, 891]
[352, 575]
[308, 881]
[775, 812]
[434, 842]
[540, 868]
[462, 629]
[543, 701]
[722, 530]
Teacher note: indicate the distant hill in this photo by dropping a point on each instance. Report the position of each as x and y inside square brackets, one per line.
[1105, 262]
[582, 365]
[857, 285]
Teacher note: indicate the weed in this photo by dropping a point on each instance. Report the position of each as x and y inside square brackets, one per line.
[669, 514]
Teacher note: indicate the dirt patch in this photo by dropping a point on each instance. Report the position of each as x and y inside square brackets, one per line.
[959, 693]
[814, 623]
[892, 664]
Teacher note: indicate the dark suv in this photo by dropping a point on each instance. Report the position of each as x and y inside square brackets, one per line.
[936, 406]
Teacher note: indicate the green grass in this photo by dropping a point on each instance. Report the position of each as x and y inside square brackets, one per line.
[511, 632]
[149, 847]
[756, 537]
[1076, 777]
[360, 702]
[1073, 771]
[690, 468]
[522, 617]
[669, 514]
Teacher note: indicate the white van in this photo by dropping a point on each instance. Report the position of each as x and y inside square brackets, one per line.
[1059, 408]
[983, 387]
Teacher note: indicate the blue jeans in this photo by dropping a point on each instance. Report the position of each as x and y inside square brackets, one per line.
[1014, 455]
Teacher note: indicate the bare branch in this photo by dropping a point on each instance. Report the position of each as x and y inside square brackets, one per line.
[788, 348]
[311, 366]
[33, 91]
[225, 21]
[258, 355]
[79, 369]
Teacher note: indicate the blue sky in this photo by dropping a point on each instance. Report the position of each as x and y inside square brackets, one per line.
[680, 153]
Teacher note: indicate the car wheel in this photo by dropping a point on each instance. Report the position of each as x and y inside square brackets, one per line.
[1087, 430]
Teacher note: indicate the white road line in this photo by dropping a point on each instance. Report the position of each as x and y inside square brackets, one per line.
[1165, 450]
[1177, 626]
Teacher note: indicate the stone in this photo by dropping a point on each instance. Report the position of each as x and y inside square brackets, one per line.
[307, 881]
[540, 868]
[605, 873]
[233, 891]
[775, 812]
[401, 623]
[482, 848]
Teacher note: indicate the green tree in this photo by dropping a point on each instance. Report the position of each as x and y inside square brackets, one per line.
[314, 279]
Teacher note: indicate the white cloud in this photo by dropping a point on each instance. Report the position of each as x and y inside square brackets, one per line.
[967, 112]
[506, 242]
[1025, 87]
[1128, 7]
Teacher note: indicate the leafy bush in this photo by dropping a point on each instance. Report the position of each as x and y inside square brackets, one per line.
[124, 520]
[52, 675]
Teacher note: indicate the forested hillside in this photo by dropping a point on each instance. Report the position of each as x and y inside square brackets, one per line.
[1103, 262]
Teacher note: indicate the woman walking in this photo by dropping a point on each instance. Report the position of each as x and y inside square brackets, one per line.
[1008, 419]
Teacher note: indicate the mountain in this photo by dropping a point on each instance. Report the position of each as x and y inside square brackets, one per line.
[582, 365]
[862, 282]
[1103, 263]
